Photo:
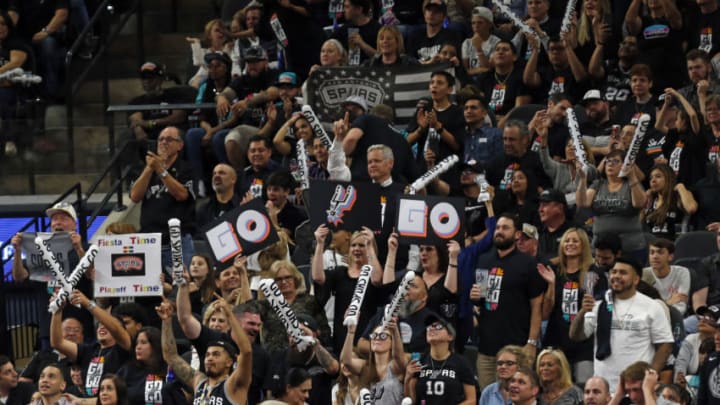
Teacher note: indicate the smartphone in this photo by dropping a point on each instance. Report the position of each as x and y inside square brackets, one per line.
[415, 356]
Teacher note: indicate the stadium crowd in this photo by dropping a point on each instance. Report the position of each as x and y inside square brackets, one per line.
[564, 232]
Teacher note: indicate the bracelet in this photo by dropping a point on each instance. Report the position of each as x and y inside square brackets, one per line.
[452, 265]
[91, 305]
[532, 342]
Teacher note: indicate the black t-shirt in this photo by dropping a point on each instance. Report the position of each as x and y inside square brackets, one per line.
[164, 97]
[501, 90]
[378, 131]
[656, 40]
[686, 155]
[22, 394]
[617, 83]
[44, 358]
[442, 382]
[322, 382]
[16, 44]
[290, 217]
[389, 201]
[629, 109]
[35, 14]
[213, 209]
[246, 85]
[555, 81]
[412, 329]
[512, 281]
[158, 205]
[568, 300]
[254, 181]
[143, 386]
[666, 229]
[423, 48]
[548, 242]
[206, 337]
[96, 362]
[558, 136]
[707, 193]
[441, 301]
[704, 32]
[368, 33]
[261, 374]
[339, 282]
[501, 169]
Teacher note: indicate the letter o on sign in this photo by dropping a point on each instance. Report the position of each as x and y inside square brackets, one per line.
[252, 226]
[444, 220]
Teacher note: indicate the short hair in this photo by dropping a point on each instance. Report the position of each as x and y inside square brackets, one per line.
[477, 97]
[383, 111]
[712, 99]
[605, 383]
[340, 48]
[364, 4]
[635, 371]
[282, 179]
[509, 43]
[697, 54]
[608, 241]
[517, 351]
[663, 243]
[448, 77]
[627, 260]
[386, 151]
[512, 217]
[521, 126]
[534, 379]
[5, 360]
[250, 307]
[259, 138]
[558, 97]
[133, 310]
[641, 69]
[290, 266]
[120, 228]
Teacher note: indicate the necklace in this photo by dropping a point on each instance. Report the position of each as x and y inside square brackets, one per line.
[497, 78]
[622, 318]
[436, 372]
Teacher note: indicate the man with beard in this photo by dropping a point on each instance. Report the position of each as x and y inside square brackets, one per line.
[597, 128]
[224, 200]
[51, 387]
[509, 298]
[699, 70]
[557, 130]
[219, 384]
[250, 317]
[411, 320]
[628, 325]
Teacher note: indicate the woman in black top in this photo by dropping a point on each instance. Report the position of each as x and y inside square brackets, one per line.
[390, 49]
[440, 377]
[667, 203]
[145, 375]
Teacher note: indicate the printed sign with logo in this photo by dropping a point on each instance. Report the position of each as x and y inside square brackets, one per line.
[128, 265]
[430, 219]
[246, 229]
[342, 205]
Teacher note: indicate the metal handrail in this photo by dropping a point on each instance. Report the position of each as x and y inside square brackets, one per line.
[72, 86]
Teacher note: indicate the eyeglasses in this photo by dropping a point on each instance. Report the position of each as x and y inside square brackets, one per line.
[613, 162]
[706, 318]
[379, 336]
[436, 326]
[285, 279]
[168, 139]
[508, 363]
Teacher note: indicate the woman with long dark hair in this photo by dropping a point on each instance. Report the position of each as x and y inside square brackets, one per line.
[145, 374]
[202, 282]
[667, 203]
[113, 391]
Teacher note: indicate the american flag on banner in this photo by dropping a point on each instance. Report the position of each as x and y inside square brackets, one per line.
[398, 87]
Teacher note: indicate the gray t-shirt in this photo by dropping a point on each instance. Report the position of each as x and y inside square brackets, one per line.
[677, 281]
[615, 213]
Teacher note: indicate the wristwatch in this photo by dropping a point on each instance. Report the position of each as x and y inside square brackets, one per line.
[91, 305]
[164, 174]
[532, 342]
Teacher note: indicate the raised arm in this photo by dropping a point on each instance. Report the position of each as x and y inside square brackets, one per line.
[451, 280]
[239, 380]
[577, 325]
[377, 272]
[180, 367]
[190, 326]
[583, 196]
[398, 352]
[354, 364]
[57, 342]
[548, 275]
[279, 141]
[531, 77]
[687, 201]
[633, 23]
[19, 272]
[113, 325]
[689, 109]
[317, 268]
[389, 270]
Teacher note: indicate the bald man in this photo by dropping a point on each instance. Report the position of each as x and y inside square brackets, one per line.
[225, 199]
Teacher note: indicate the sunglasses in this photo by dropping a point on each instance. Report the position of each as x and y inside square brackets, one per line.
[379, 336]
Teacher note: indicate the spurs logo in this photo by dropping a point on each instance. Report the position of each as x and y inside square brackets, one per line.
[343, 200]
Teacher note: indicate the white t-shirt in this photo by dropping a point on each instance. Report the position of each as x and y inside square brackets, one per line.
[677, 281]
[469, 51]
[638, 324]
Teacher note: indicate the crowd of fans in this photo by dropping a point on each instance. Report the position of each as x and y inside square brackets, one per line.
[563, 290]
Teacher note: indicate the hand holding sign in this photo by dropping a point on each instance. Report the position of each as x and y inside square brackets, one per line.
[393, 308]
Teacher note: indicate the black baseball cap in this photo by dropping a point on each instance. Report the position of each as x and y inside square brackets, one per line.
[553, 195]
[221, 56]
[229, 347]
[435, 317]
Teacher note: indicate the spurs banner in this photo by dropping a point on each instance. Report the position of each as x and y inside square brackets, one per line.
[343, 205]
[246, 229]
[430, 220]
[58, 243]
[398, 87]
[128, 265]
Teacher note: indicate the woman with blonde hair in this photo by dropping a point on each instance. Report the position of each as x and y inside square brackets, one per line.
[594, 15]
[556, 379]
[563, 298]
[509, 359]
[340, 280]
[390, 49]
[291, 284]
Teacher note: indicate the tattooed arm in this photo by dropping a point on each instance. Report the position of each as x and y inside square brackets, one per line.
[326, 360]
[180, 367]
